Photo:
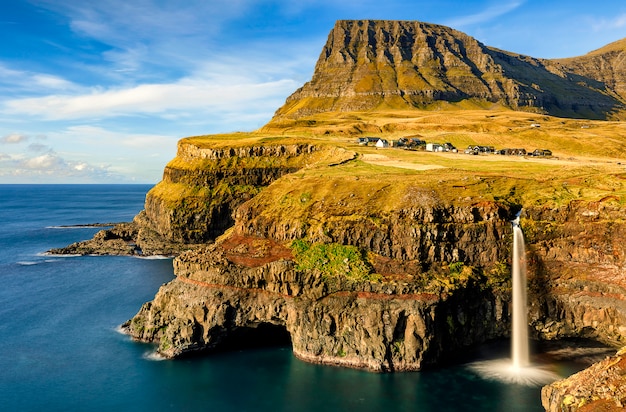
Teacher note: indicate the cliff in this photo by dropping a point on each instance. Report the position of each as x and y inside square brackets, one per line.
[436, 277]
[394, 316]
[390, 259]
[377, 65]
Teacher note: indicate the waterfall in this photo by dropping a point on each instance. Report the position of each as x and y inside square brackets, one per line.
[519, 331]
[517, 370]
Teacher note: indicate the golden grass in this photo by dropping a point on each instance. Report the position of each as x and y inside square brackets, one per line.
[587, 161]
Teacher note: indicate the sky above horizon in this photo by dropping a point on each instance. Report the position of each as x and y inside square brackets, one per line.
[100, 92]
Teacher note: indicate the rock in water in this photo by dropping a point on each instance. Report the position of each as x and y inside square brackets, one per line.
[601, 387]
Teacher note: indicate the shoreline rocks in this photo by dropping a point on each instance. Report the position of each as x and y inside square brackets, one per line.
[601, 387]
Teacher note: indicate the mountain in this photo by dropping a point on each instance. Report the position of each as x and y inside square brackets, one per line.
[374, 64]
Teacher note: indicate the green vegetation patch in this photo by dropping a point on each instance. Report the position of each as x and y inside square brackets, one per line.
[333, 260]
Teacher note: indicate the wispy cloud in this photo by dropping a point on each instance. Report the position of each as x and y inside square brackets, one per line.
[26, 82]
[185, 95]
[217, 88]
[486, 15]
[617, 22]
[14, 138]
[143, 35]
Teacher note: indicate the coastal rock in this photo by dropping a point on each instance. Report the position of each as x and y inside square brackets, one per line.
[203, 186]
[601, 387]
[132, 238]
[216, 304]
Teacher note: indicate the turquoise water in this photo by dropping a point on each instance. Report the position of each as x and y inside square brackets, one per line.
[60, 349]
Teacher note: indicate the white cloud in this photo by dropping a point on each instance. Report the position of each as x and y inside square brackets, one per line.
[89, 154]
[489, 14]
[219, 94]
[51, 167]
[26, 82]
[14, 138]
[48, 161]
[51, 82]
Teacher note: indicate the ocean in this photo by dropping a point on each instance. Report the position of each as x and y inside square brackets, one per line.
[61, 350]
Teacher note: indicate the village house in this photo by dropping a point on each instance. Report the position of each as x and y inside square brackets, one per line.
[381, 143]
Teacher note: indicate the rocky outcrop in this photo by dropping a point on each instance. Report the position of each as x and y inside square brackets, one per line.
[130, 238]
[606, 66]
[601, 387]
[202, 186]
[417, 226]
[373, 64]
[215, 303]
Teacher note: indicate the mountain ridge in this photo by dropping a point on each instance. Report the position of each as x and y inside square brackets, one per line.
[395, 64]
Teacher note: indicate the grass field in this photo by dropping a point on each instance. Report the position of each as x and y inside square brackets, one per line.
[588, 162]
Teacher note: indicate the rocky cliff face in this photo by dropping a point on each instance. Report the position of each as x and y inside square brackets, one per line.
[248, 285]
[370, 64]
[244, 286]
[577, 260]
[202, 186]
[602, 387]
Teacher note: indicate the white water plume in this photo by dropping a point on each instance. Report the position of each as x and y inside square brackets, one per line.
[519, 331]
[518, 369]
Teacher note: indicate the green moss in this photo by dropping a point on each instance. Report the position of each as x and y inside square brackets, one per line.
[333, 260]
[499, 277]
[137, 324]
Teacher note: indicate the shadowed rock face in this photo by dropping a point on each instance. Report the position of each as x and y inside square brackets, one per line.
[370, 64]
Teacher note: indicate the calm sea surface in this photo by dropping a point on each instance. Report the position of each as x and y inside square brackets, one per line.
[60, 349]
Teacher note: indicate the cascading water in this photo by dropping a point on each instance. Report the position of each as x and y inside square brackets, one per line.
[517, 369]
[519, 331]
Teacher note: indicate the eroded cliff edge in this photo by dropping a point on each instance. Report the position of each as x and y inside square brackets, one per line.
[423, 269]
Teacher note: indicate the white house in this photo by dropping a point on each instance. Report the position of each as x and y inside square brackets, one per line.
[382, 143]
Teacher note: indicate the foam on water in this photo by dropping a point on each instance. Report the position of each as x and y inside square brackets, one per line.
[153, 356]
[153, 257]
[503, 370]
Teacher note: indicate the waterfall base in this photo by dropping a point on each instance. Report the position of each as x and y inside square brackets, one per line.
[504, 371]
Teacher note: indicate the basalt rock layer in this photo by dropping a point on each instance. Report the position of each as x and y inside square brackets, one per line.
[420, 311]
[244, 285]
[373, 65]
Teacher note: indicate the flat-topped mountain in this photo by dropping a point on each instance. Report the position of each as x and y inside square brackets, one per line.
[375, 64]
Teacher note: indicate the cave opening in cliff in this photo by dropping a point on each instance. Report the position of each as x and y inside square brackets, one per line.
[263, 334]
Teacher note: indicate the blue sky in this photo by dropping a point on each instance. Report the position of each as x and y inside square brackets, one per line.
[100, 92]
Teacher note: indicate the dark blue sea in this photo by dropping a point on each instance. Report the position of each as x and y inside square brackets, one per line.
[60, 349]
